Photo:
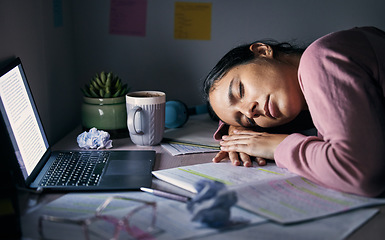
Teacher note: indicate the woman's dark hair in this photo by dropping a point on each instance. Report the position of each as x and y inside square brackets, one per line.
[243, 55]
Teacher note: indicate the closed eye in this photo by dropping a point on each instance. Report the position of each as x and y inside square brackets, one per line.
[241, 90]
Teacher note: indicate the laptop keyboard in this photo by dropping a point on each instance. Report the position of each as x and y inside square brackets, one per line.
[76, 169]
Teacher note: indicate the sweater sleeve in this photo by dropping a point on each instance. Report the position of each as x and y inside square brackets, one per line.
[222, 129]
[343, 87]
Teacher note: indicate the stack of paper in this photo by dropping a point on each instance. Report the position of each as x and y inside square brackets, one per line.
[269, 191]
[198, 130]
[196, 136]
[177, 148]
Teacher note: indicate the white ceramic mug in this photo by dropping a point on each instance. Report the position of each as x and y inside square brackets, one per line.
[146, 117]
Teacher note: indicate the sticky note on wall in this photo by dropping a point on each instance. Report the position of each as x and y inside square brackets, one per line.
[192, 21]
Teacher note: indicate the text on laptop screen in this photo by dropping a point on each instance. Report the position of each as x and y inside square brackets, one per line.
[22, 118]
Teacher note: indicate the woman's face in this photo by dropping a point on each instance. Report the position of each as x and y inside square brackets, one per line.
[264, 93]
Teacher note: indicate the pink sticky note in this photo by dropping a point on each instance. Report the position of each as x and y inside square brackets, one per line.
[128, 17]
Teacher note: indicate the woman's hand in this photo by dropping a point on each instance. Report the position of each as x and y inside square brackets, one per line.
[249, 143]
[238, 157]
[235, 157]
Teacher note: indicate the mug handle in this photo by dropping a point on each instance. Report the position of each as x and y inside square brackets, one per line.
[131, 121]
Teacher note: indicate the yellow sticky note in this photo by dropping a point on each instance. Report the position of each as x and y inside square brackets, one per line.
[192, 21]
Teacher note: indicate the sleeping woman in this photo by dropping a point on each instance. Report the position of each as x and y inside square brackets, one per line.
[339, 79]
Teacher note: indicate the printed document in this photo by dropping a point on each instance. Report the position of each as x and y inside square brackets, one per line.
[177, 148]
[269, 191]
[198, 130]
[172, 217]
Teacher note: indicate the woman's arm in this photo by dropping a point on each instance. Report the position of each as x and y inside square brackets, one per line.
[302, 124]
[344, 89]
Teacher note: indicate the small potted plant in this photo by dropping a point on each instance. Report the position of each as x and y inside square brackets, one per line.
[104, 104]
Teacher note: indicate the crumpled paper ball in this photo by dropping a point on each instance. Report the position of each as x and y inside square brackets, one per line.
[94, 139]
[212, 203]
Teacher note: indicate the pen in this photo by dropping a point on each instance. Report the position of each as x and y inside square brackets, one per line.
[168, 195]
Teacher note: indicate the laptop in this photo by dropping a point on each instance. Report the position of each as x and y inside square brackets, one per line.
[36, 166]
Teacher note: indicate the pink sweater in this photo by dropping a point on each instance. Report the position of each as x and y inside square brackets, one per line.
[342, 76]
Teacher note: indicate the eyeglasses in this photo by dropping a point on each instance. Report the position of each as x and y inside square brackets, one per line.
[138, 223]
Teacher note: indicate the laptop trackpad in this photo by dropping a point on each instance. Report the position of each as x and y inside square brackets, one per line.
[126, 167]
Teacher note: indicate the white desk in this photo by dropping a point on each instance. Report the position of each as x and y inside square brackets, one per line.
[374, 229]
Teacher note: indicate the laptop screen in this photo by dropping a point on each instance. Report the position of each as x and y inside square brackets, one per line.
[21, 118]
